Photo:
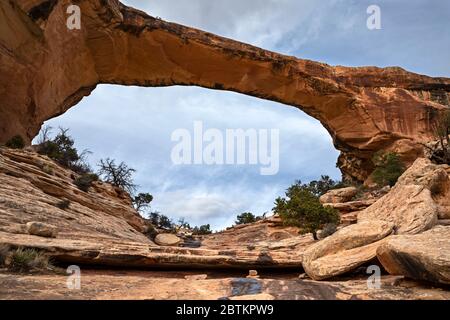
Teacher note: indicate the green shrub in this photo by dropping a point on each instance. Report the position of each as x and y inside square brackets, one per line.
[63, 204]
[15, 142]
[84, 182]
[161, 221]
[388, 168]
[301, 208]
[119, 175]
[48, 170]
[25, 260]
[246, 217]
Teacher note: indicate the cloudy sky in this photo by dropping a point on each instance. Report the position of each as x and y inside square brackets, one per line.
[134, 124]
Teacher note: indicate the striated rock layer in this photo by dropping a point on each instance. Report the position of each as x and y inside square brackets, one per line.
[100, 227]
[45, 69]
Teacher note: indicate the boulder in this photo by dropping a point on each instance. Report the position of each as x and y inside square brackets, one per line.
[425, 256]
[339, 195]
[345, 250]
[42, 229]
[167, 239]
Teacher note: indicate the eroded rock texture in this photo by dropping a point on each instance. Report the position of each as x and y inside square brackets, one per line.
[45, 69]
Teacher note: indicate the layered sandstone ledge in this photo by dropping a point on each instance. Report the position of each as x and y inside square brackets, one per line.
[406, 230]
[100, 227]
[45, 69]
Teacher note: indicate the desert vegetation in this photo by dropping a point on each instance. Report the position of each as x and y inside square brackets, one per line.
[23, 260]
[301, 206]
[15, 142]
[61, 148]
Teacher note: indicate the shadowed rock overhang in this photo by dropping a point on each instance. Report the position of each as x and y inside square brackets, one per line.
[45, 69]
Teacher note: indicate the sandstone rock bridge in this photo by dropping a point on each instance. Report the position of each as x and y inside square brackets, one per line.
[45, 69]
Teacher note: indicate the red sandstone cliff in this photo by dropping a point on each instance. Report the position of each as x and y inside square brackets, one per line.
[45, 69]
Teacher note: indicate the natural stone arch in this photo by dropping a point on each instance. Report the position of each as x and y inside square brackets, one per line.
[45, 69]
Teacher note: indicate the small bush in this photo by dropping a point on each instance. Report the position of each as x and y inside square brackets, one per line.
[84, 182]
[15, 142]
[301, 208]
[141, 202]
[202, 230]
[26, 260]
[246, 217]
[161, 221]
[63, 204]
[47, 169]
[151, 232]
[388, 168]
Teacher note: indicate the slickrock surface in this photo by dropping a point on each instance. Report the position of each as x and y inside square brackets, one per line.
[118, 285]
[45, 69]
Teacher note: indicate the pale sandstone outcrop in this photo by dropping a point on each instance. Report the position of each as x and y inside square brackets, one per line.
[424, 256]
[101, 226]
[339, 195]
[41, 229]
[411, 207]
[45, 69]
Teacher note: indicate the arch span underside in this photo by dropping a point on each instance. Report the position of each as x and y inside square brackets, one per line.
[45, 69]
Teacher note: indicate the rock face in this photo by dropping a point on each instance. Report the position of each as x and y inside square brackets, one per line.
[425, 256]
[45, 69]
[101, 227]
[42, 229]
[411, 207]
[413, 203]
[149, 285]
